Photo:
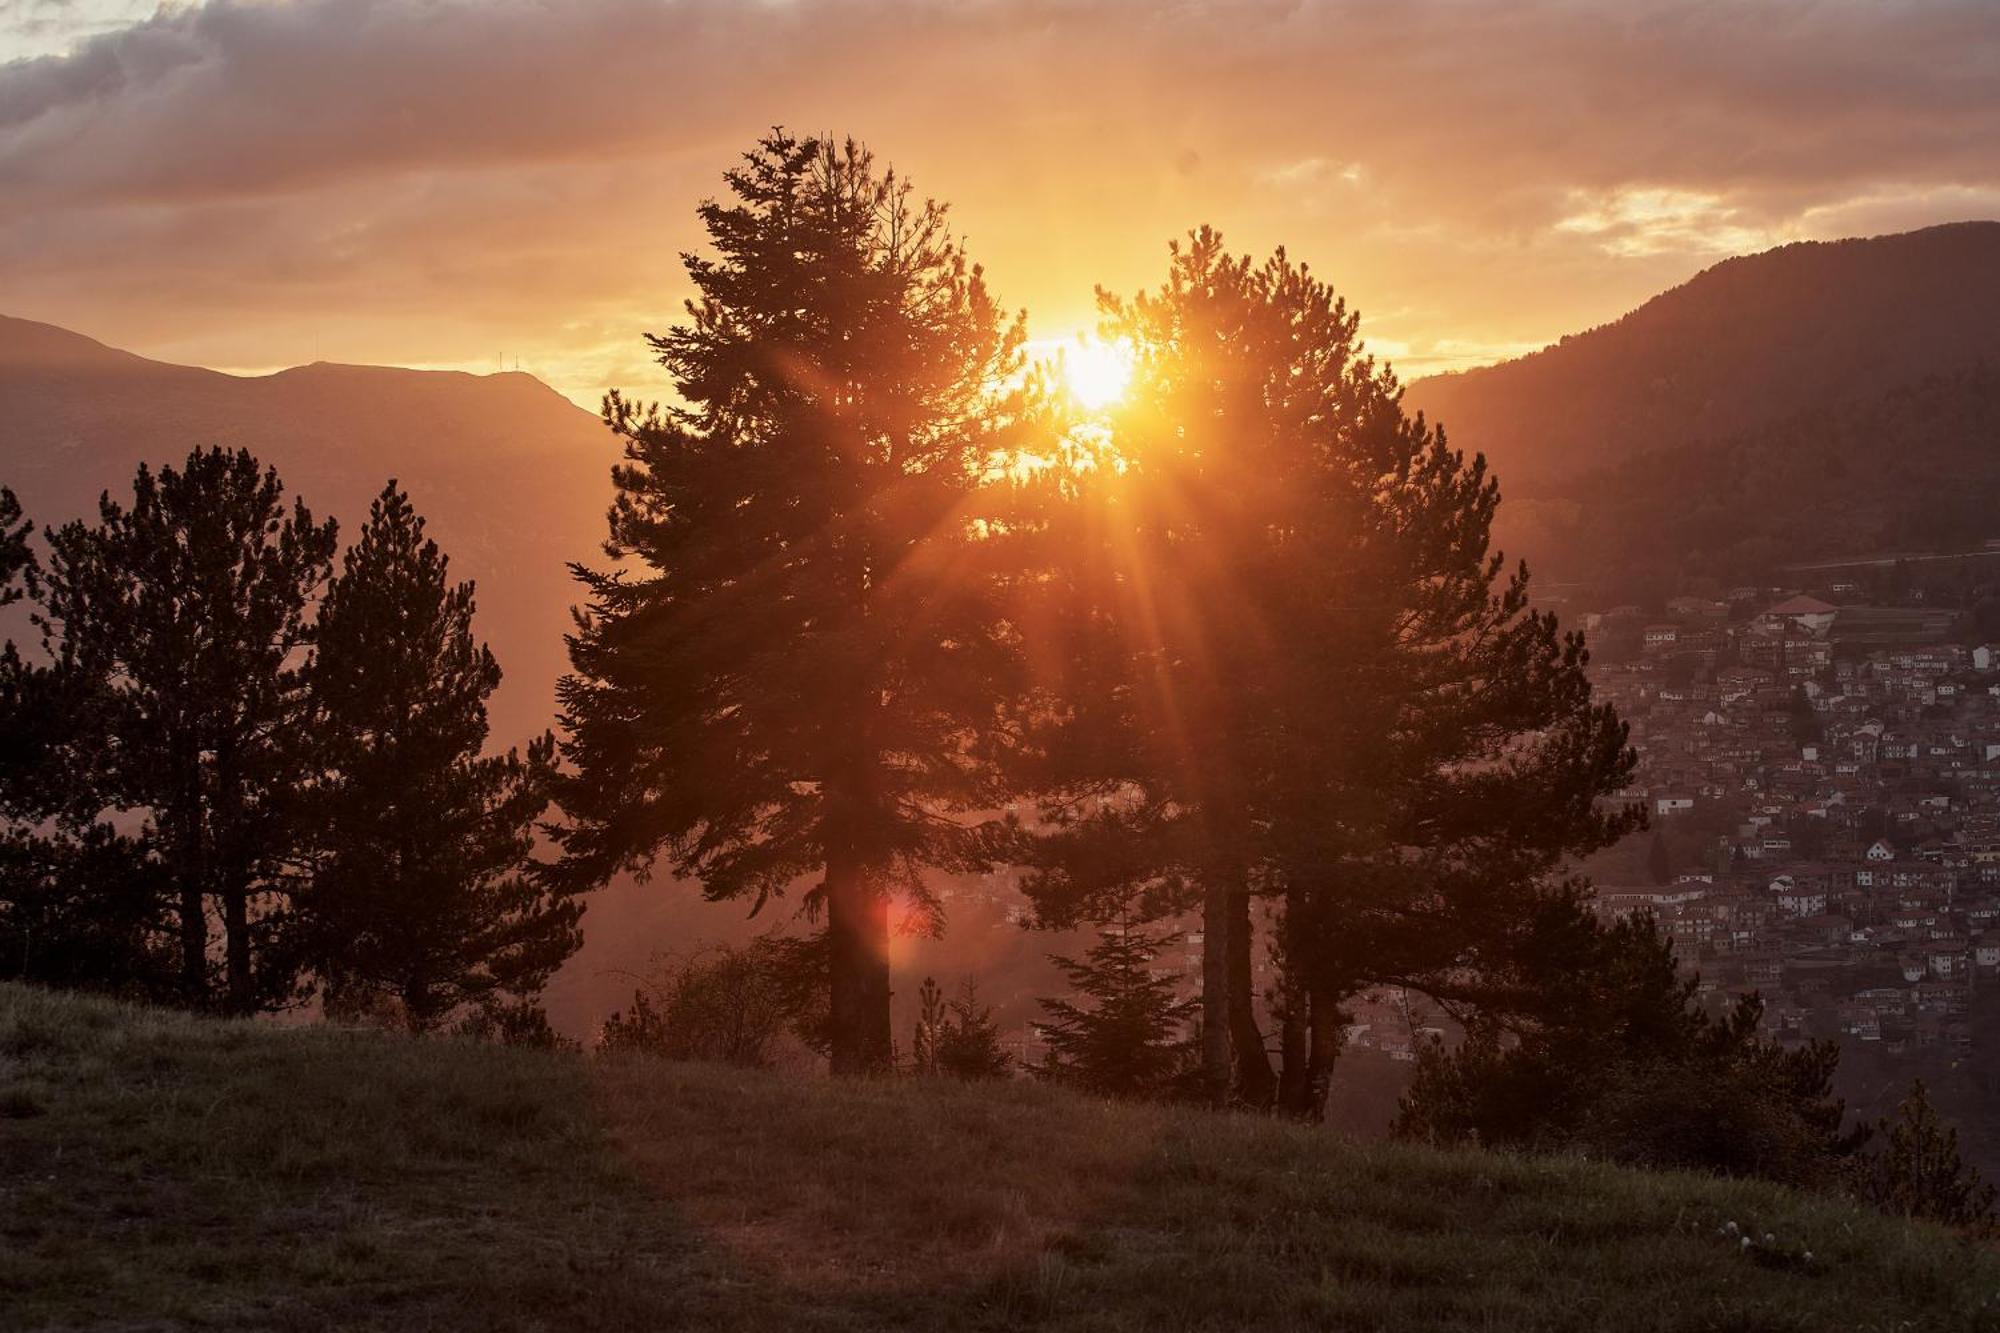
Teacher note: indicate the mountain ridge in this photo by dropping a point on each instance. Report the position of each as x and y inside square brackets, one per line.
[513, 478]
[1749, 340]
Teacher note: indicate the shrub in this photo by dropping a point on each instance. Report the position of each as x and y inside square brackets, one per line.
[721, 1004]
[1918, 1171]
[514, 1023]
[1624, 1065]
[957, 1038]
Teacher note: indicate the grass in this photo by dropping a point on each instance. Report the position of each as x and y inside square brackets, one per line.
[160, 1171]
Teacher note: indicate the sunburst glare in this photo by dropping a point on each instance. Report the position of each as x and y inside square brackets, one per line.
[1097, 373]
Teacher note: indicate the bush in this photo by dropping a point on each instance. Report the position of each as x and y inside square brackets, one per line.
[1623, 1065]
[87, 912]
[516, 1023]
[1918, 1171]
[957, 1039]
[721, 1004]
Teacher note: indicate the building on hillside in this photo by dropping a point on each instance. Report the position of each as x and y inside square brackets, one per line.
[1807, 613]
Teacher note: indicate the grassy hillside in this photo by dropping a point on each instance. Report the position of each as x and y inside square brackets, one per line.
[160, 1171]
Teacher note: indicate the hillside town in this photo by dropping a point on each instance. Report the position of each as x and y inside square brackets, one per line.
[1824, 787]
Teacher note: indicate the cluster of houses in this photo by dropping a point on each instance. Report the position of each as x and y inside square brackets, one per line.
[1828, 778]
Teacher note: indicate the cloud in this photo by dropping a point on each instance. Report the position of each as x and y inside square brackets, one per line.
[1637, 221]
[440, 180]
[51, 27]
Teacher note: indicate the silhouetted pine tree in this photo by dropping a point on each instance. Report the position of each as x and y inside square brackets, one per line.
[86, 907]
[1918, 1171]
[1806, 727]
[956, 1038]
[1615, 1058]
[25, 722]
[794, 671]
[176, 626]
[1130, 1041]
[422, 890]
[81, 904]
[924, 1041]
[1295, 669]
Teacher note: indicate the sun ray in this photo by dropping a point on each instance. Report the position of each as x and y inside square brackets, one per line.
[1097, 373]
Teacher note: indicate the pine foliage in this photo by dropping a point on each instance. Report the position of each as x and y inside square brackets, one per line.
[1622, 1062]
[1129, 1040]
[791, 674]
[956, 1038]
[177, 626]
[86, 908]
[422, 892]
[1295, 669]
[1918, 1172]
[16, 556]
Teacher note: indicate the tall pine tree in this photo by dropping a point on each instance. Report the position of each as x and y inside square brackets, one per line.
[423, 895]
[81, 903]
[176, 628]
[1296, 671]
[793, 672]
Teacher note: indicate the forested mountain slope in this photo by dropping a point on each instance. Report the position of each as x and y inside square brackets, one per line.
[1915, 470]
[1750, 341]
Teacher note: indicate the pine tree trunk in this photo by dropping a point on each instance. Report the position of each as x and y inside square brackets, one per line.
[1295, 1032]
[194, 940]
[418, 1008]
[1329, 1026]
[1294, 1047]
[230, 856]
[1215, 992]
[857, 918]
[186, 839]
[236, 933]
[1256, 1085]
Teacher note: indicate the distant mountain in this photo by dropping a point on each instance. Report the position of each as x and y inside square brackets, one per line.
[1914, 470]
[1751, 341]
[513, 478]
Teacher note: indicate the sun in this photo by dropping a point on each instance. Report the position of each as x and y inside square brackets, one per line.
[1097, 372]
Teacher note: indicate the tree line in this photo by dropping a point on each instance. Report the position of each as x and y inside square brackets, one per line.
[884, 602]
[234, 775]
[887, 602]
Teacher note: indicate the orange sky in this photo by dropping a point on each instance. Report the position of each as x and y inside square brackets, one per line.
[450, 182]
